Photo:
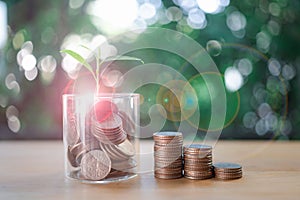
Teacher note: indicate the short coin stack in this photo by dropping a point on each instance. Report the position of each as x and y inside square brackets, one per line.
[168, 155]
[227, 171]
[198, 161]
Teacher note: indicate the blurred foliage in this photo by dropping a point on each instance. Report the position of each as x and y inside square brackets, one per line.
[271, 32]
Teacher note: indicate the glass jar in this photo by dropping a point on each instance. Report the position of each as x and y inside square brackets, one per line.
[99, 134]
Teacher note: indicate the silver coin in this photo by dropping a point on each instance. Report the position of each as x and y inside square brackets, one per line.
[114, 121]
[119, 155]
[77, 148]
[112, 152]
[95, 165]
[126, 148]
[78, 157]
[197, 147]
[71, 158]
[128, 123]
[227, 165]
[167, 133]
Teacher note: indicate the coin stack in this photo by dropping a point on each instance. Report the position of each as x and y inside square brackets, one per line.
[72, 136]
[128, 124]
[227, 171]
[109, 131]
[168, 155]
[103, 150]
[198, 161]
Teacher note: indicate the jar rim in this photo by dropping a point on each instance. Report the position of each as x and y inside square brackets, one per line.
[104, 95]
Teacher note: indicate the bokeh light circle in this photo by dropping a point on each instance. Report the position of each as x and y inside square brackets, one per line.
[112, 78]
[270, 96]
[203, 84]
[177, 108]
[213, 47]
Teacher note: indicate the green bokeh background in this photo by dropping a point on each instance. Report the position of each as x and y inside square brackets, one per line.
[46, 24]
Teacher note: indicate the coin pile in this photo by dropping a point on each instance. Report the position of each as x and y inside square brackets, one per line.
[103, 150]
[197, 161]
[227, 171]
[109, 131]
[120, 152]
[168, 155]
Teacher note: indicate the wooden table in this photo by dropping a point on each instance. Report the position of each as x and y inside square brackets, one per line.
[34, 170]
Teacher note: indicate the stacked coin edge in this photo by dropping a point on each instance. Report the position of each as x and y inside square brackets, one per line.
[197, 161]
[227, 171]
[168, 155]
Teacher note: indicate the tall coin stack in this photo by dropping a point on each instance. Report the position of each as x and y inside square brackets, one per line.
[168, 155]
[198, 161]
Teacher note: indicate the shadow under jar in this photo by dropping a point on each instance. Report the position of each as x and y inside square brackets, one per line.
[100, 136]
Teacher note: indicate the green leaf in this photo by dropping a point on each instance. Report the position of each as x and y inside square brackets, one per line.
[85, 47]
[96, 55]
[123, 58]
[80, 59]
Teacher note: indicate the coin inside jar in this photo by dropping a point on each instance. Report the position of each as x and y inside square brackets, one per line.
[104, 109]
[95, 165]
[109, 131]
[126, 148]
[71, 158]
[112, 152]
[128, 123]
[73, 135]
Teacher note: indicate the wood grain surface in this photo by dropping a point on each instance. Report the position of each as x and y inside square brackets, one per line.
[34, 170]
